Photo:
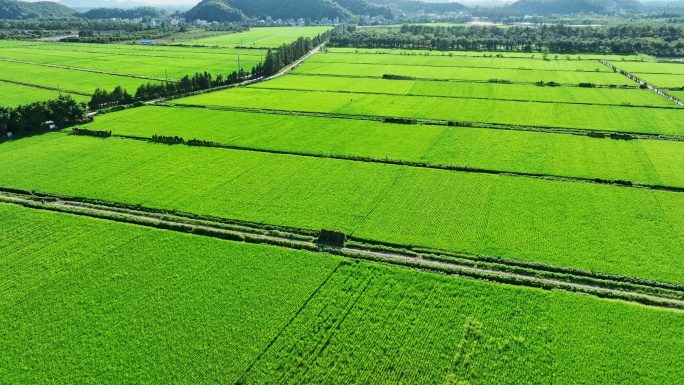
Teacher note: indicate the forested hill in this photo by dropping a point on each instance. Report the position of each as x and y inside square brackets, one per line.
[415, 6]
[108, 13]
[236, 10]
[12, 9]
[548, 7]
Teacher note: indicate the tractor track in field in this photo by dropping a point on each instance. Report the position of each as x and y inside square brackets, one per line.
[205, 227]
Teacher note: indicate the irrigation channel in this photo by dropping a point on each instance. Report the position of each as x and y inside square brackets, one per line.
[650, 293]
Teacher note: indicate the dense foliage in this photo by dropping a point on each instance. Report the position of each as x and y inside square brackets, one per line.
[623, 39]
[33, 117]
[238, 10]
[415, 6]
[118, 13]
[13, 9]
[215, 10]
[70, 24]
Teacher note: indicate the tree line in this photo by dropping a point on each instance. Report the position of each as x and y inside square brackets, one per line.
[661, 40]
[150, 91]
[34, 117]
[276, 59]
[287, 54]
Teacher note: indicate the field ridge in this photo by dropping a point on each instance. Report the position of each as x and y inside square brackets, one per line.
[469, 124]
[426, 165]
[83, 70]
[651, 293]
[465, 97]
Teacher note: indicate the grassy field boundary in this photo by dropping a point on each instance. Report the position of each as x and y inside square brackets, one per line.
[491, 269]
[467, 97]
[615, 135]
[468, 54]
[456, 66]
[497, 81]
[399, 162]
[85, 70]
[44, 87]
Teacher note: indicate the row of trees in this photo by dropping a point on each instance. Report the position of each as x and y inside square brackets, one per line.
[276, 59]
[288, 53]
[662, 40]
[150, 91]
[69, 24]
[33, 118]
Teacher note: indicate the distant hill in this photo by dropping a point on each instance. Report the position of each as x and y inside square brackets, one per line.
[12, 9]
[414, 6]
[237, 10]
[134, 13]
[548, 7]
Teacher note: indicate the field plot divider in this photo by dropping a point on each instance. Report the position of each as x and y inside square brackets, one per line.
[464, 97]
[389, 51]
[494, 126]
[85, 70]
[474, 267]
[458, 66]
[44, 87]
[509, 82]
[396, 162]
[643, 83]
[39, 49]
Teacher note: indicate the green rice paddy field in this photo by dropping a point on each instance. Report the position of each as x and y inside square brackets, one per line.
[259, 37]
[633, 97]
[583, 225]
[589, 117]
[108, 302]
[489, 54]
[640, 161]
[651, 67]
[195, 53]
[85, 67]
[12, 95]
[67, 80]
[464, 73]
[135, 65]
[461, 61]
[86, 300]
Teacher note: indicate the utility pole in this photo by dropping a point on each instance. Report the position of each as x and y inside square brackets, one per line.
[239, 67]
[59, 90]
[166, 74]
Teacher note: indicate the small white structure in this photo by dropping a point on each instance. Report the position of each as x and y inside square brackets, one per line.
[52, 126]
[10, 135]
[148, 42]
